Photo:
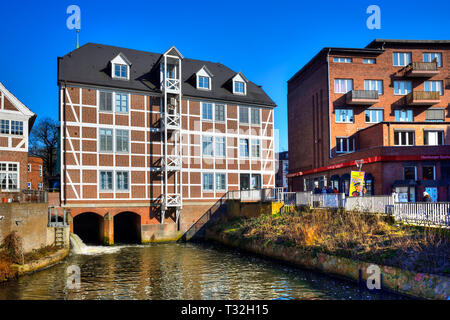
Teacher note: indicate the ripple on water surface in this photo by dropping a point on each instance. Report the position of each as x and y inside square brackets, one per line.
[180, 271]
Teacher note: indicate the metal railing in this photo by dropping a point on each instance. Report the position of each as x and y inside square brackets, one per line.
[422, 66]
[372, 204]
[363, 94]
[328, 200]
[24, 196]
[421, 96]
[423, 213]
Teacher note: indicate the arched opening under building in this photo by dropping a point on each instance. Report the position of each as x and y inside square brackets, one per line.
[127, 228]
[89, 227]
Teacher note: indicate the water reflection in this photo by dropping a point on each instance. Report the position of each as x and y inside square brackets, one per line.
[181, 271]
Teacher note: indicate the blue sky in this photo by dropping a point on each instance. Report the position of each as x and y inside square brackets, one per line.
[267, 40]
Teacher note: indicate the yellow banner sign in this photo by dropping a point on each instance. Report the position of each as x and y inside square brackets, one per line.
[356, 184]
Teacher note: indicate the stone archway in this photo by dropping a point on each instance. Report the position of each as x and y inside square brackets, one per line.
[127, 228]
[89, 227]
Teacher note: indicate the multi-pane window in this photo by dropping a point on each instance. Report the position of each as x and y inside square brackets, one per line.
[343, 85]
[409, 172]
[243, 114]
[243, 148]
[120, 71]
[369, 61]
[40, 171]
[255, 182]
[430, 56]
[428, 172]
[435, 115]
[220, 147]
[435, 85]
[207, 111]
[401, 59]
[403, 138]
[106, 180]
[219, 112]
[221, 184]
[207, 146]
[122, 140]
[122, 180]
[255, 118]
[106, 140]
[374, 85]
[239, 87]
[208, 182]
[9, 176]
[402, 87]
[203, 82]
[17, 127]
[105, 101]
[433, 138]
[256, 148]
[4, 126]
[342, 60]
[121, 102]
[374, 115]
[344, 115]
[345, 144]
[403, 115]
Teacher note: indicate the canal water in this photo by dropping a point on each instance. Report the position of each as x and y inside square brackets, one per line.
[181, 271]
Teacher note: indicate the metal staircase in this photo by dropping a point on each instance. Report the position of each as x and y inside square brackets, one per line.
[170, 75]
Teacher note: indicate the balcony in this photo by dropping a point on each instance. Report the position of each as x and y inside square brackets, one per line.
[423, 98]
[421, 69]
[362, 97]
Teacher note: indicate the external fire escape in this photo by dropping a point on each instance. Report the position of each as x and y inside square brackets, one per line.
[171, 133]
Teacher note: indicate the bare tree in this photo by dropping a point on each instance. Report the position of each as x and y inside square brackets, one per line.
[44, 143]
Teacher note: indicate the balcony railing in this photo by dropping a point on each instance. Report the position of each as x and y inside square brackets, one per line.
[422, 69]
[423, 98]
[366, 97]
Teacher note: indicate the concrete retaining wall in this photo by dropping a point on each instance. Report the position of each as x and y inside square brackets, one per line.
[420, 285]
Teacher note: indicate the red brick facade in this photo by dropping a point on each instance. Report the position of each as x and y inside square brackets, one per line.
[314, 108]
[35, 172]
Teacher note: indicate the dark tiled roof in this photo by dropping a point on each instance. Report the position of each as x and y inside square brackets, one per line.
[90, 64]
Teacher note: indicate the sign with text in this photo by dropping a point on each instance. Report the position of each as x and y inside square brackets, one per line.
[356, 184]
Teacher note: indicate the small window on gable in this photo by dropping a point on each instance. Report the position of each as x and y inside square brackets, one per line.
[204, 77]
[239, 84]
[120, 67]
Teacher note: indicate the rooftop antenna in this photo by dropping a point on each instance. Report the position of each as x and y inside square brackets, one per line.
[78, 40]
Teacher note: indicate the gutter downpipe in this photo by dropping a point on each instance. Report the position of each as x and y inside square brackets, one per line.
[329, 102]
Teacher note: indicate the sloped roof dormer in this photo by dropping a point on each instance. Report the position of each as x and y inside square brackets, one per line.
[240, 84]
[13, 106]
[173, 51]
[204, 78]
[120, 67]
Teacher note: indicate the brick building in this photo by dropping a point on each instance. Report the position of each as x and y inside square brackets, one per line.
[386, 104]
[155, 140]
[16, 121]
[35, 180]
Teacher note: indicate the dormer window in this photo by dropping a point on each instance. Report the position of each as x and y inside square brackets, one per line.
[204, 77]
[120, 67]
[239, 84]
[121, 71]
[203, 83]
[239, 87]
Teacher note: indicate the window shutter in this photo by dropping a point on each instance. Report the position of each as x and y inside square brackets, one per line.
[434, 114]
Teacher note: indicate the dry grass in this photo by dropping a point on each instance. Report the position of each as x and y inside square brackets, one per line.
[367, 237]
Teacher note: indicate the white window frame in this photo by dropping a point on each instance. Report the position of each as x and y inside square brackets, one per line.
[342, 60]
[251, 109]
[212, 111]
[407, 142]
[100, 141]
[377, 113]
[369, 61]
[248, 148]
[248, 115]
[347, 139]
[203, 182]
[225, 181]
[404, 112]
[204, 137]
[440, 143]
[115, 102]
[100, 181]
[6, 124]
[347, 119]
[373, 84]
[345, 84]
[7, 172]
[434, 86]
[117, 145]
[396, 60]
[429, 57]
[224, 149]
[127, 181]
[255, 143]
[402, 87]
[216, 105]
[201, 82]
[239, 78]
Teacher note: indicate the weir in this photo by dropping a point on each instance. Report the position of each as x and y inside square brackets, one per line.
[79, 247]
